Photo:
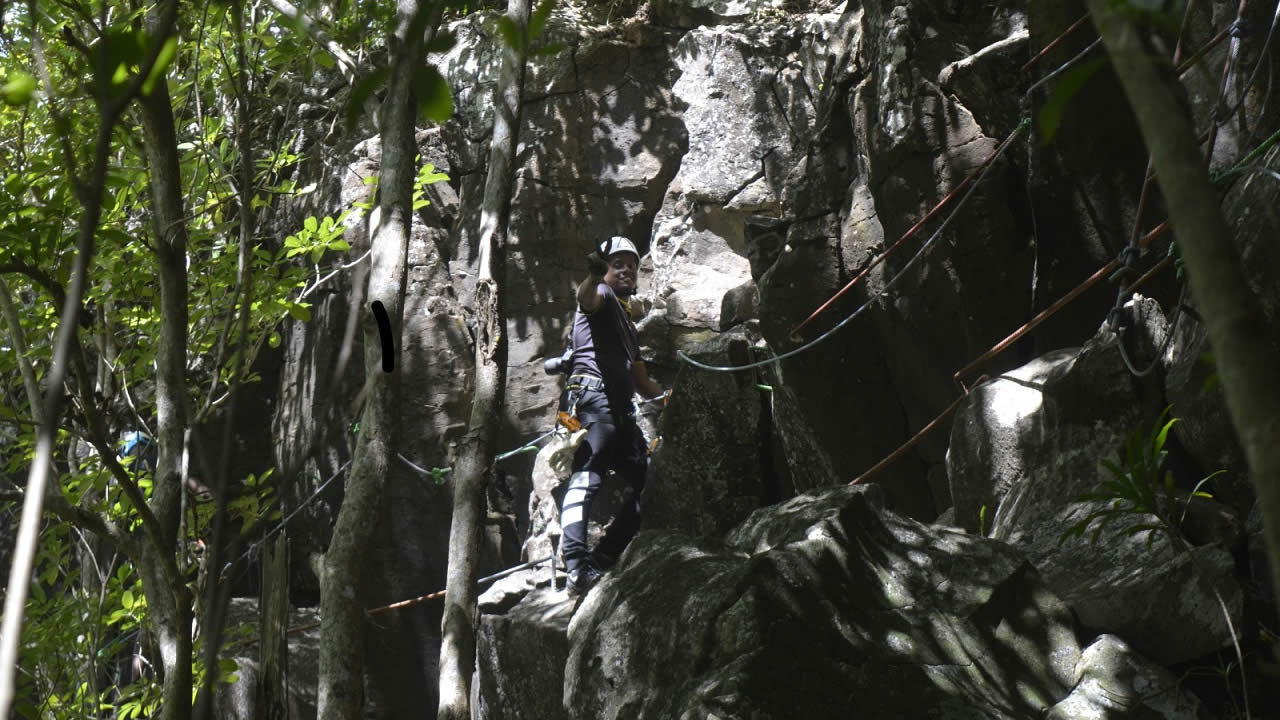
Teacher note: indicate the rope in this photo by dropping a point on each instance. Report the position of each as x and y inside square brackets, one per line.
[883, 293]
[286, 520]
[440, 593]
[1063, 68]
[910, 232]
[437, 473]
[1048, 312]
[421, 598]
[1164, 345]
[434, 472]
[1056, 41]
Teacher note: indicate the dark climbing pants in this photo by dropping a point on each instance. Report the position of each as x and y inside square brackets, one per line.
[613, 442]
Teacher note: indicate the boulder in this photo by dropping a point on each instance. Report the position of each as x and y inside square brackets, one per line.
[1204, 427]
[823, 607]
[238, 700]
[1112, 682]
[532, 637]
[1110, 583]
[1025, 452]
[729, 77]
[1029, 439]
[731, 442]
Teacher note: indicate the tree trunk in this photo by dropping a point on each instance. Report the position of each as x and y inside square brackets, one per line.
[1245, 359]
[273, 615]
[18, 339]
[225, 541]
[457, 649]
[341, 609]
[37, 478]
[171, 615]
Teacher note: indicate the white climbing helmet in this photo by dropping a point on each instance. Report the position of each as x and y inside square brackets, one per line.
[618, 244]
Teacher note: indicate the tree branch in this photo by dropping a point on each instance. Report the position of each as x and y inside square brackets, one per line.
[346, 63]
[41, 278]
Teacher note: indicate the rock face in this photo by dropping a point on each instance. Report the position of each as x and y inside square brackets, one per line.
[825, 606]
[818, 608]
[762, 159]
[1025, 451]
[731, 443]
[532, 636]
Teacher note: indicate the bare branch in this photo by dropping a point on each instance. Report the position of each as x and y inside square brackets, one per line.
[346, 63]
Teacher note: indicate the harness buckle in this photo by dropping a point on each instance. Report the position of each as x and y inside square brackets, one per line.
[569, 421]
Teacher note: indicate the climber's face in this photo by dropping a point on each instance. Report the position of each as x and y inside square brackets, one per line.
[622, 274]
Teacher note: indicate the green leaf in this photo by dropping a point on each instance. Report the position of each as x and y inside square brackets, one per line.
[428, 175]
[167, 53]
[362, 91]
[435, 99]
[19, 88]
[538, 18]
[124, 45]
[127, 600]
[310, 224]
[510, 32]
[273, 339]
[1164, 434]
[298, 311]
[1049, 119]
[550, 49]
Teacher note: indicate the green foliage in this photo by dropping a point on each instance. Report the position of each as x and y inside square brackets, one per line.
[78, 625]
[1139, 487]
[521, 37]
[427, 175]
[318, 237]
[18, 88]
[435, 99]
[1064, 92]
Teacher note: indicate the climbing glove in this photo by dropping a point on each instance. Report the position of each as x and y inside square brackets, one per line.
[596, 265]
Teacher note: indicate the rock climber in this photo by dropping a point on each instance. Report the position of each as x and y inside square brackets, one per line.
[605, 371]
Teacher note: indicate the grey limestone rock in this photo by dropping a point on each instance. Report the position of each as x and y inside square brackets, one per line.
[1112, 682]
[238, 700]
[520, 658]
[820, 608]
[1027, 445]
[729, 445]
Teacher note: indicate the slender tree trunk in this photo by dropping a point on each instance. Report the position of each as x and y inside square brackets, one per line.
[225, 542]
[457, 649]
[18, 339]
[1246, 361]
[37, 478]
[170, 612]
[341, 608]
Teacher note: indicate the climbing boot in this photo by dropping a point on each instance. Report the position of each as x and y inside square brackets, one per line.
[581, 581]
